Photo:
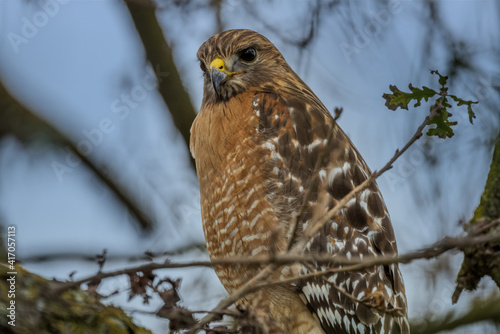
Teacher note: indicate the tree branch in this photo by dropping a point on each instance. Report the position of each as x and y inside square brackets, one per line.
[479, 310]
[46, 257]
[309, 233]
[27, 126]
[431, 251]
[160, 56]
[248, 287]
[484, 261]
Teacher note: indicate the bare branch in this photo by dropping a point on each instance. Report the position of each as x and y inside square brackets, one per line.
[247, 288]
[309, 233]
[478, 311]
[432, 251]
[160, 56]
[20, 121]
[47, 257]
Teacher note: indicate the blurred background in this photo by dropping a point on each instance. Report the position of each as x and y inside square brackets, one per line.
[97, 98]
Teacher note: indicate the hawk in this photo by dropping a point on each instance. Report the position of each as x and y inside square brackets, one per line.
[265, 146]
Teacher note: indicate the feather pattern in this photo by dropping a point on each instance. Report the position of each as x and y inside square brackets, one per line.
[296, 135]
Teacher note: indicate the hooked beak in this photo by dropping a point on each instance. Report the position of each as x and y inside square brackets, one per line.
[219, 73]
[217, 77]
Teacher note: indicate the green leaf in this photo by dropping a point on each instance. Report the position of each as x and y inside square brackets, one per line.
[401, 99]
[443, 125]
[471, 114]
[469, 104]
[442, 79]
[424, 93]
[440, 123]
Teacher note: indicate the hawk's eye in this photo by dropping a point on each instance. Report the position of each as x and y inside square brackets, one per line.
[248, 55]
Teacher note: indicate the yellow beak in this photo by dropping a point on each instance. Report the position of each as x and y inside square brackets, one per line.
[219, 73]
[218, 64]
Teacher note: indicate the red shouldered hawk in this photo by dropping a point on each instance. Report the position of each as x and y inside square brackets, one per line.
[257, 140]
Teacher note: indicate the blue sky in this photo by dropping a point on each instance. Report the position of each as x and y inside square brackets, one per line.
[84, 57]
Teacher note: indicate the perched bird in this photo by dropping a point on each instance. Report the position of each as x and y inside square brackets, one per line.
[265, 146]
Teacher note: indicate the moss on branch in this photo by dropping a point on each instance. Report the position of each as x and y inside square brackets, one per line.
[483, 260]
[40, 309]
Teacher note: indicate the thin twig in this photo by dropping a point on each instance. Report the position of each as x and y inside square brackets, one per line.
[309, 233]
[47, 257]
[431, 251]
[248, 287]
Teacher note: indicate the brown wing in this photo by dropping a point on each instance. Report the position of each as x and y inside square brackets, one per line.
[295, 133]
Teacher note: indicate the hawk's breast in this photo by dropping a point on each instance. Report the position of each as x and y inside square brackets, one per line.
[231, 163]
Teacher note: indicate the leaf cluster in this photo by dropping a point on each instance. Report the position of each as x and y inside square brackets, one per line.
[440, 116]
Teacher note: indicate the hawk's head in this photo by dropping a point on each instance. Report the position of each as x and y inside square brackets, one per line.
[236, 60]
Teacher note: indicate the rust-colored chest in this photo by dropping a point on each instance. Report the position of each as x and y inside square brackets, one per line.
[231, 165]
